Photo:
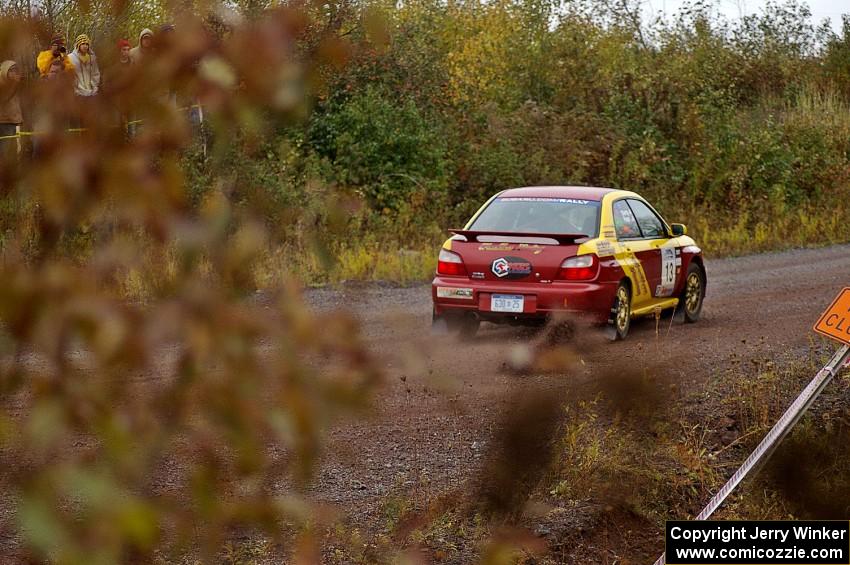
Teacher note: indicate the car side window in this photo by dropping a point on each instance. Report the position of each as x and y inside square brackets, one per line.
[650, 224]
[625, 223]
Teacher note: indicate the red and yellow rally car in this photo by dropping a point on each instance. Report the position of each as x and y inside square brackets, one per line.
[532, 252]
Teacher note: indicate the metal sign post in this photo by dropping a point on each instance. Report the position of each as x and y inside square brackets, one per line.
[836, 314]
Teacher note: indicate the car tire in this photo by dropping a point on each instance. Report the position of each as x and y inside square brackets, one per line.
[621, 313]
[693, 294]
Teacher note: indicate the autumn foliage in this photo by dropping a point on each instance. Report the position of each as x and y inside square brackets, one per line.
[153, 404]
[332, 133]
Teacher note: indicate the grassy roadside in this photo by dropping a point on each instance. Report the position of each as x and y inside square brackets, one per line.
[387, 259]
[630, 456]
[390, 255]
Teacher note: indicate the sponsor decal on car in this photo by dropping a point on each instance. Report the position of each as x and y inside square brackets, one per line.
[669, 271]
[604, 249]
[511, 267]
[500, 267]
[504, 247]
[451, 292]
[538, 199]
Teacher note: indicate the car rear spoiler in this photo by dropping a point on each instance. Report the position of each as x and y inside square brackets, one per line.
[561, 238]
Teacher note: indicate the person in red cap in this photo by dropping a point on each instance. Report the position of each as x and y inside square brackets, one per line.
[124, 52]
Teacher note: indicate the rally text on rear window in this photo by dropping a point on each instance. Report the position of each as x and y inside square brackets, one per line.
[540, 215]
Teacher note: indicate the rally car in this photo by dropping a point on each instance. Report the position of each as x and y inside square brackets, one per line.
[599, 253]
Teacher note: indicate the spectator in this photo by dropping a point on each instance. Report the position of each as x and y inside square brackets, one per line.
[56, 67]
[143, 49]
[124, 52]
[87, 81]
[164, 48]
[10, 105]
[52, 106]
[119, 84]
[166, 32]
[57, 52]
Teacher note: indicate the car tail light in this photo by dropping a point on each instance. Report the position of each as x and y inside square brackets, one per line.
[450, 263]
[579, 268]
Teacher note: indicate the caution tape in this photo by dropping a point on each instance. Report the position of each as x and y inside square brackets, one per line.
[21, 134]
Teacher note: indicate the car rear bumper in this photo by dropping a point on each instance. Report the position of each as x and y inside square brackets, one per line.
[588, 299]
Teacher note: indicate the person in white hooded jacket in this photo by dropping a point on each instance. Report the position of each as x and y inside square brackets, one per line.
[87, 73]
[144, 48]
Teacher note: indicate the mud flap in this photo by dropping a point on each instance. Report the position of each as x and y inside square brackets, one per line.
[679, 310]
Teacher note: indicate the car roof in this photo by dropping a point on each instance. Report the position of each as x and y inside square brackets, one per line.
[581, 192]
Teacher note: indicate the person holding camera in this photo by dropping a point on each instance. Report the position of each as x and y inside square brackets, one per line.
[56, 52]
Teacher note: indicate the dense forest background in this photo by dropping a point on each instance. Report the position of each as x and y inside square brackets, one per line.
[740, 128]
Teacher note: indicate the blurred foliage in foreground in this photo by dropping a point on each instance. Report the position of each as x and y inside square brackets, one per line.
[135, 431]
[422, 110]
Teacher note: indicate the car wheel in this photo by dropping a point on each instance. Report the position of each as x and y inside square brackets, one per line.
[621, 314]
[693, 294]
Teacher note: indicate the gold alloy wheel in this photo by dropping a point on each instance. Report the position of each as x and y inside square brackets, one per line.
[622, 309]
[693, 292]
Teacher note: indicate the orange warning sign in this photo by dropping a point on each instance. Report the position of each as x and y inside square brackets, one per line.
[835, 322]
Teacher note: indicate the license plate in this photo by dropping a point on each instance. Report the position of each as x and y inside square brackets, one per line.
[507, 303]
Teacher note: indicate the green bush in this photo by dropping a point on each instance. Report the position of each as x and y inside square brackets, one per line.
[388, 150]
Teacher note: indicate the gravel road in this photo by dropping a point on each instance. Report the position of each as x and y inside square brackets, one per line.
[443, 401]
[449, 412]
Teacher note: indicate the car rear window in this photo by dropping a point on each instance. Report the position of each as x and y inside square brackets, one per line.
[540, 215]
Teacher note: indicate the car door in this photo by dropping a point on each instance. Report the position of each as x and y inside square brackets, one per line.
[656, 252]
[633, 252]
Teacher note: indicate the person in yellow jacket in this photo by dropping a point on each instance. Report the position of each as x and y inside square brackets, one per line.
[57, 52]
